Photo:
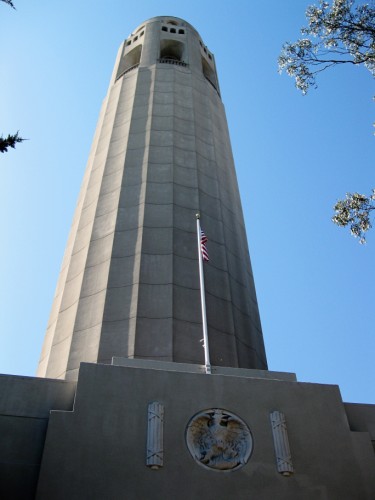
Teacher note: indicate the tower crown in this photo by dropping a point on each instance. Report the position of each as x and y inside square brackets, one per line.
[166, 40]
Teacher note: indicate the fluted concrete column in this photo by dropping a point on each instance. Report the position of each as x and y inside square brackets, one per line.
[129, 283]
[155, 433]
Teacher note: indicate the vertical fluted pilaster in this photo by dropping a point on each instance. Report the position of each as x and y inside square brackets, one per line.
[155, 451]
[281, 443]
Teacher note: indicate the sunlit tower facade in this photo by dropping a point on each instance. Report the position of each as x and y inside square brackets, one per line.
[129, 284]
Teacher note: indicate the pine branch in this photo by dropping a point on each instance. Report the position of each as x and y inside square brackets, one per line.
[9, 142]
[10, 3]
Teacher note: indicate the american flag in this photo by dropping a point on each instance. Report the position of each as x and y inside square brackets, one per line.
[203, 247]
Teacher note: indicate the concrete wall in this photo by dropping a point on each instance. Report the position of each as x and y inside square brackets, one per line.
[25, 404]
[361, 418]
[99, 450]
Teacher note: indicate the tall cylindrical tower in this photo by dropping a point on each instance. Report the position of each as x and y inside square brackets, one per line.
[129, 283]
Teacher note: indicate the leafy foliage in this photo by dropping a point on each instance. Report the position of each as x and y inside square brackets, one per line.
[10, 3]
[341, 33]
[335, 35]
[9, 142]
[354, 211]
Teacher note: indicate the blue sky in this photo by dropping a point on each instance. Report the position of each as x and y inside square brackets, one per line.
[295, 156]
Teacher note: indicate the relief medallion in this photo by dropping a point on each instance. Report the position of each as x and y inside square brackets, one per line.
[219, 440]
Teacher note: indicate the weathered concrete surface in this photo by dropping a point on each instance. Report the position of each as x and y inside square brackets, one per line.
[361, 418]
[25, 404]
[99, 450]
[129, 284]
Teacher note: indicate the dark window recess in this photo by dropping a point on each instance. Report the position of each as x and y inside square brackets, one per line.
[128, 42]
[164, 28]
[181, 32]
[135, 39]
[173, 30]
[210, 74]
[142, 33]
[209, 56]
[171, 50]
[130, 61]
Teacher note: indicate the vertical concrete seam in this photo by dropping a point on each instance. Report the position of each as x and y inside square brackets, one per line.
[141, 213]
[210, 90]
[121, 185]
[199, 346]
[77, 215]
[103, 169]
[57, 299]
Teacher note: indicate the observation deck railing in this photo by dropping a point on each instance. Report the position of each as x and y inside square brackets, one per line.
[167, 60]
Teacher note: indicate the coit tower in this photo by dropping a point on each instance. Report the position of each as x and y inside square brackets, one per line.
[129, 282]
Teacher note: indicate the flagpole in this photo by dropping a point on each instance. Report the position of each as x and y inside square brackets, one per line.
[203, 301]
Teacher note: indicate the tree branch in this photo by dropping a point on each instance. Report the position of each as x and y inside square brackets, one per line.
[9, 142]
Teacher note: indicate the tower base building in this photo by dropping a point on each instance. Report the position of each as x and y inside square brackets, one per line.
[154, 430]
[123, 406]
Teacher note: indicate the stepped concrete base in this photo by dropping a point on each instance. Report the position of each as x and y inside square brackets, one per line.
[97, 449]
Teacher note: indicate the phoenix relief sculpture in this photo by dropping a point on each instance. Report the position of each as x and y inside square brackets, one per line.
[219, 440]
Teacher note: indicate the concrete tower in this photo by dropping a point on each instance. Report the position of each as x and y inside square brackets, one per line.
[129, 283]
[153, 428]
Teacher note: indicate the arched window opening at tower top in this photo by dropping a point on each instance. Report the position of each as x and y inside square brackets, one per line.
[171, 50]
[173, 23]
[130, 60]
[209, 73]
